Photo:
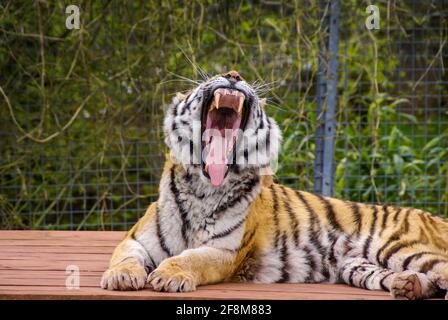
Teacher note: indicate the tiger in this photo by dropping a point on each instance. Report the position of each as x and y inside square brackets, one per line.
[220, 217]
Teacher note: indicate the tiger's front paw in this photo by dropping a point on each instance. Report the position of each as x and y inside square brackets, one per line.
[170, 277]
[129, 276]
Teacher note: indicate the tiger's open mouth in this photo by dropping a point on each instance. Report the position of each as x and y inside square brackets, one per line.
[223, 115]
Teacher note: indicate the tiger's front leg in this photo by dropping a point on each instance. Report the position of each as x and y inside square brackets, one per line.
[193, 267]
[127, 267]
[131, 261]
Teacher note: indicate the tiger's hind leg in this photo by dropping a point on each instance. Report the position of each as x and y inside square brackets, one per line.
[359, 272]
[434, 265]
[438, 273]
[412, 285]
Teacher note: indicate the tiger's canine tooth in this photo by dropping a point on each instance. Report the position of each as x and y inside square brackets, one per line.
[216, 101]
[240, 106]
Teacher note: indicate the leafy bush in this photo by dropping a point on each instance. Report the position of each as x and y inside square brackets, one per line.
[80, 110]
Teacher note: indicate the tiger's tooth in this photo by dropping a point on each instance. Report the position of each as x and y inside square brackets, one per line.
[206, 168]
[241, 102]
[217, 97]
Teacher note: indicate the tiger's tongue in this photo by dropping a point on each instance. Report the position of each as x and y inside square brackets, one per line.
[216, 159]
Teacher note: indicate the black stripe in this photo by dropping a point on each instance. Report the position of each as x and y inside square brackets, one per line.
[403, 230]
[284, 258]
[183, 213]
[186, 105]
[188, 177]
[380, 251]
[384, 278]
[160, 235]
[347, 245]
[425, 222]
[395, 248]
[314, 238]
[414, 256]
[312, 265]
[325, 271]
[429, 265]
[433, 223]
[385, 217]
[406, 221]
[433, 230]
[366, 249]
[153, 264]
[175, 109]
[357, 217]
[261, 125]
[229, 230]
[397, 213]
[331, 256]
[261, 141]
[242, 191]
[366, 278]
[352, 274]
[312, 230]
[174, 124]
[268, 134]
[132, 233]
[249, 238]
[292, 217]
[275, 215]
[331, 215]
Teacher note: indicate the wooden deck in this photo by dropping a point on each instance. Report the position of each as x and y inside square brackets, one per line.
[33, 266]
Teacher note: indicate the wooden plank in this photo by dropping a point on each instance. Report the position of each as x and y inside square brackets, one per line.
[56, 256]
[33, 264]
[13, 292]
[48, 235]
[56, 249]
[58, 242]
[91, 279]
[49, 264]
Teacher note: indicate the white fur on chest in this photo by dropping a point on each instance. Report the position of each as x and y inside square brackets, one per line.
[196, 214]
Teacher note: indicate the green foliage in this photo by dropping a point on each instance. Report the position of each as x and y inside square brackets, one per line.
[80, 120]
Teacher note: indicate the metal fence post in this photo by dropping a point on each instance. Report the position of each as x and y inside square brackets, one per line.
[326, 101]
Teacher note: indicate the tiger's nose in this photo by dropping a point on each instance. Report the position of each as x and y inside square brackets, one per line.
[233, 76]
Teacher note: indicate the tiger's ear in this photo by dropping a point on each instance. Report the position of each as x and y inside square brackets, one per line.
[179, 97]
[262, 102]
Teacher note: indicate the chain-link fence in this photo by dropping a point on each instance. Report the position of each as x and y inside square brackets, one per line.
[81, 110]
